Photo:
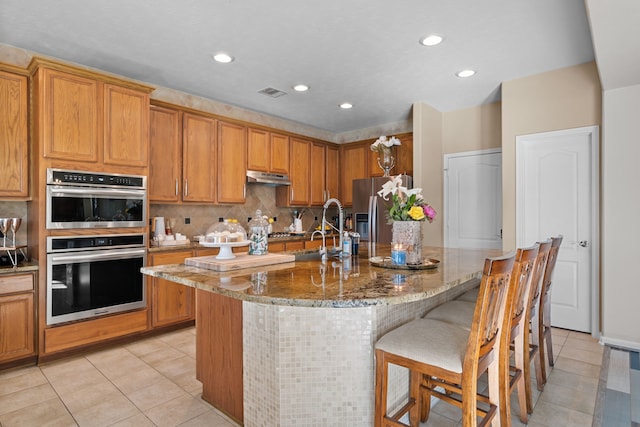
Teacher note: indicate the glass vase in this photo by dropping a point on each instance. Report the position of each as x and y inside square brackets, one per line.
[387, 162]
[408, 235]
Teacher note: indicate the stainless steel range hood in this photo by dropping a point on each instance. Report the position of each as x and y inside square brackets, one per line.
[267, 178]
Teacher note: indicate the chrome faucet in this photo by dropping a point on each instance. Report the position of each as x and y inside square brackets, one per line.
[323, 249]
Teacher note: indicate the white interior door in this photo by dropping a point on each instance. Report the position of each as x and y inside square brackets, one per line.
[473, 199]
[557, 193]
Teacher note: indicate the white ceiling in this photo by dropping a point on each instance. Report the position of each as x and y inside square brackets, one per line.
[362, 51]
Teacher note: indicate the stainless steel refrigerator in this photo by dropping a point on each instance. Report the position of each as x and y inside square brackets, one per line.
[370, 210]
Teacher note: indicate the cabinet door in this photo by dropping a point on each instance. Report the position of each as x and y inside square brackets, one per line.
[402, 153]
[258, 149]
[170, 301]
[69, 122]
[126, 126]
[14, 161]
[198, 158]
[332, 172]
[17, 326]
[354, 165]
[317, 175]
[298, 193]
[165, 154]
[279, 154]
[232, 160]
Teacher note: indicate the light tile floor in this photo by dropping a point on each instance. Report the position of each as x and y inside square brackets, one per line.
[569, 397]
[152, 383]
[147, 383]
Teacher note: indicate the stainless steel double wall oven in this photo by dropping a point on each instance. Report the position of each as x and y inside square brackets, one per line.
[97, 273]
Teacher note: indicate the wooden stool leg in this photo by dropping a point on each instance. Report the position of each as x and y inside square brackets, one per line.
[493, 376]
[414, 394]
[520, 360]
[538, 360]
[425, 398]
[382, 371]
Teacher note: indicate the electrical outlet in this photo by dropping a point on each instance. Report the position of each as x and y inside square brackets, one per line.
[187, 220]
[315, 218]
[275, 218]
[220, 219]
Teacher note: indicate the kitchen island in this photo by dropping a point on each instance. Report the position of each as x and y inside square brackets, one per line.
[296, 340]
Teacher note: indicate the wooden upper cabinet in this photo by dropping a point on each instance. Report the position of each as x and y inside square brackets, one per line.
[402, 153]
[126, 126]
[318, 174]
[165, 154]
[267, 151]
[354, 163]
[279, 153]
[232, 158]
[332, 168]
[69, 116]
[258, 150]
[298, 193]
[198, 158]
[14, 143]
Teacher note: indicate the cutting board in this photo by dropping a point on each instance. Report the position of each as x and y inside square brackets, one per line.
[239, 262]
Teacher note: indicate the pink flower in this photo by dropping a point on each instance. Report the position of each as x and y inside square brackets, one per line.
[429, 212]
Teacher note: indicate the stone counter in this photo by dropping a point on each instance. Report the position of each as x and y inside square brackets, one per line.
[22, 267]
[306, 332]
[335, 283]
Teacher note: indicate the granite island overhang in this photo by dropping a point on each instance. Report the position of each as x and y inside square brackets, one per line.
[288, 342]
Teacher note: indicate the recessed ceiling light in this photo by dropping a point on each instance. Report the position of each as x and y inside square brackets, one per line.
[223, 58]
[301, 88]
[346, 105]
[465, 73]
[431, 40]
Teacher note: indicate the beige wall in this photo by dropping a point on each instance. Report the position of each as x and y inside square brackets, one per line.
[620, 226]
[471, 129]
[436, 134]
[427, 165]
[561, 99]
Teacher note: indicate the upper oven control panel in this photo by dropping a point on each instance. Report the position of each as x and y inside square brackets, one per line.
[69, 177]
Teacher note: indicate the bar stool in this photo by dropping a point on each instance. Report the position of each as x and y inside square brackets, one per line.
[531, 340]
[544, 319]
[511, 377]
[441, 354]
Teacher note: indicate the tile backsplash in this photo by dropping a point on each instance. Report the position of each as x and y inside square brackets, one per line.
[258, 197]
[15, 210]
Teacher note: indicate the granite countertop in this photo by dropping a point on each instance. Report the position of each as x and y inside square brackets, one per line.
[22, 267]
[334, 283]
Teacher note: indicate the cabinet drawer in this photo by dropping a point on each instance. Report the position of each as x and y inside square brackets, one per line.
[16, 283]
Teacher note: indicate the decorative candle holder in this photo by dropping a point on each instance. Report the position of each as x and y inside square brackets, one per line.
[398, 255]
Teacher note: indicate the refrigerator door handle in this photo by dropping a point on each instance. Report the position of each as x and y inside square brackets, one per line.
[373, 220]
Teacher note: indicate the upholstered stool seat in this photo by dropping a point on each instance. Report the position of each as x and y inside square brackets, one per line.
[428, 341]
[469, 296]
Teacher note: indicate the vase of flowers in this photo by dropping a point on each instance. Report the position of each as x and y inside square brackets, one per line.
[407, 211]
[383, 146]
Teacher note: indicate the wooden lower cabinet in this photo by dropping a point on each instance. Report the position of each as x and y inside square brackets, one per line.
[170, 302]
[219, 352]
[17, 334]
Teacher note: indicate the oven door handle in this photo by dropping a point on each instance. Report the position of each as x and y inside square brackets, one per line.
[99, 192]
[97, 256]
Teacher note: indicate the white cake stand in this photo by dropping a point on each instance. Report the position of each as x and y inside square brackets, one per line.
[225, 248]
